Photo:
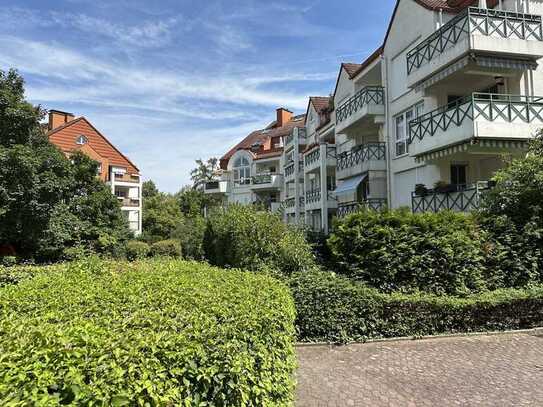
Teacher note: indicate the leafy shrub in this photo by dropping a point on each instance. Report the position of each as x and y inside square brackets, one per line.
[172, 333]
[8, 261]
[166, 248]
[333, 308]
[241, 236]
[190, 232]
[136, 250]
[393, 250]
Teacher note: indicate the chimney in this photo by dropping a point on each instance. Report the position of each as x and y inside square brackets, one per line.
[58, 118]
[283, 116]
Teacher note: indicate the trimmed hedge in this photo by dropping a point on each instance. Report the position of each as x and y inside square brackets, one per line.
[166, 248]
[150, 333]
[244, 237]
[441, 253]
[332, 308]
[136, 250]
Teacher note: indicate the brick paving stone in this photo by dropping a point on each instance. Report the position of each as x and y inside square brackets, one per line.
[499, 370]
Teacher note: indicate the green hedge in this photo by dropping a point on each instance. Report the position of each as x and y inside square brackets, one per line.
[166, 248]
[150, 333]
[244, 237]
[332, 308]
[136, 250]
[394, 250]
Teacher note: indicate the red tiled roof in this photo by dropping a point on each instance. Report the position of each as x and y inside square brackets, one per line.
[261, 136]
[321, 103]
[65, 137]
[351, 68]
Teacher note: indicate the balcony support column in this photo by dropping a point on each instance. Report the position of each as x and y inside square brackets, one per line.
[324, 187]
[296, 155]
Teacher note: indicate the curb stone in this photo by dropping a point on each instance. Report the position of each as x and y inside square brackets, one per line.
[533, 332]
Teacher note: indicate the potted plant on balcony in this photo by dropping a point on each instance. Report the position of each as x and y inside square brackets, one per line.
[421, 190]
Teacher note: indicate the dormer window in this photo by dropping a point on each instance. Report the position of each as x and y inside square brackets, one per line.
[82, 140]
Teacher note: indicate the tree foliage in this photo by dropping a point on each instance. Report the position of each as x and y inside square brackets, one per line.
[48, 203]
[205, 171]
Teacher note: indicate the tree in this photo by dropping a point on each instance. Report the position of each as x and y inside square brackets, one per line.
[48, 203]
[204, 172]
[149, 189]
[161, 216]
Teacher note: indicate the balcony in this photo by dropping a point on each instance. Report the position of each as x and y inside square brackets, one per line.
[313, 200]
[367, 157]
[290, 204]
[216, 187]
[374, 204]
[457, 199]
[290, 138]
[264, 182]
[475, 30]
[312, 159]
[128, 202]
[361, 109]
[290, 170]
[128, 178]
[476, 118]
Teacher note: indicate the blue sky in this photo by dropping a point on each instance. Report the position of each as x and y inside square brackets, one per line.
[171, 81]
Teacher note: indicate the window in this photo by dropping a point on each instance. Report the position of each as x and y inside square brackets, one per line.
[82, 140]
[459, 176]
[402, 128]
[242, 171]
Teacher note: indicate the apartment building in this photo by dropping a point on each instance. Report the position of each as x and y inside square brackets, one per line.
[73, 134]
[251, 170]
[461, 86]
[426, 120]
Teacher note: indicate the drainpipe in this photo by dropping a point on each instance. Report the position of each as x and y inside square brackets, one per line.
[440, 17]
[482, 4]
[386, 131]
[501, 4]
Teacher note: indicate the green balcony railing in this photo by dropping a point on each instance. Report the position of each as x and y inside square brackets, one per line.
[289, 170]
[369, 95]
[313, 156]
[479, 106]
[313, 195]
[366, 152]
[375, 204]
[486, 22]
[457, 199]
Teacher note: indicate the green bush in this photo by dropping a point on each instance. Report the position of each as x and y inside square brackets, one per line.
[397, 250]
[190, 232]
[8, 261]
[150, 333]
[136, 250]
[332, 308]
[166, 248]
[243, 237]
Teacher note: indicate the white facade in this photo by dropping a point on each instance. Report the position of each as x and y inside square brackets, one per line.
[424, 123]
[128, 190]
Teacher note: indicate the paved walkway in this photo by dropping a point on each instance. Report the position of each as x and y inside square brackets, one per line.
[502, 370]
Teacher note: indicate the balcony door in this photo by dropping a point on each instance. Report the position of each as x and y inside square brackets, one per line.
[459, 176]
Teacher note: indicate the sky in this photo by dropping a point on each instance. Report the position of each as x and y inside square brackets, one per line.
[171, 81]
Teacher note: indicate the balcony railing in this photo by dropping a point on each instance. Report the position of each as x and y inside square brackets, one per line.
[368, 95]
[289, 170]
[291, 202]
[313, 156]
[211, 185]
[262, 179]
[375, 204]
[366, 152]
[131, 202]
[312, 196]
[457, 199]
[488, 107]
[486, 22]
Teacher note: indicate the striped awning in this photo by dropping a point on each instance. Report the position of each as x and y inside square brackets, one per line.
[478, 60]
[470, 145]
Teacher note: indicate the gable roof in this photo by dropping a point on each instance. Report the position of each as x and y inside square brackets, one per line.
[65, 137]
[261, 136]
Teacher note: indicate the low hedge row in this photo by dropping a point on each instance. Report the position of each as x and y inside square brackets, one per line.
[150, 333]
[332, 308]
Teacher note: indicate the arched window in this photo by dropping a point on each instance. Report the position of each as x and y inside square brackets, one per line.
[82, 140]
[242, 171]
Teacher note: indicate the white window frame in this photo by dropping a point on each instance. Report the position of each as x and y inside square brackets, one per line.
[242, 166]
[406, 116]
[82, 140]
